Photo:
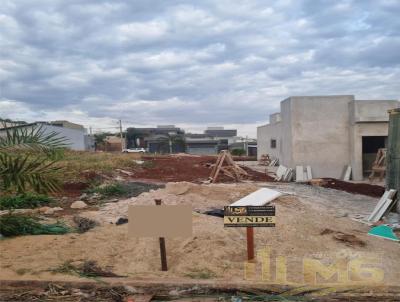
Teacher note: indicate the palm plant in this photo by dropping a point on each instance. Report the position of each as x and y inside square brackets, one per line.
[27, 159]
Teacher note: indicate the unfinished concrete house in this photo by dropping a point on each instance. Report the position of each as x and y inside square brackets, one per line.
[327, 133]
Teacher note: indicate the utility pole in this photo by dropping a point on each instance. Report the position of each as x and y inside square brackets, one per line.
[120, 135]
[90, 130]
[246, 145]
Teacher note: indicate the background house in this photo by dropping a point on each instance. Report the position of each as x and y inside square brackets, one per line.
[110, 143]
[248, 145]
[211, 141]
[161, 139]
[75, 135]
[327, 133]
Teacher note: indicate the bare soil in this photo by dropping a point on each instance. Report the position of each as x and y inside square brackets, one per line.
[214, 252]
[356, 188]
[186, 168]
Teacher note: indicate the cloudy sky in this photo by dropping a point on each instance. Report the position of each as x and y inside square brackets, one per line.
[190, 63]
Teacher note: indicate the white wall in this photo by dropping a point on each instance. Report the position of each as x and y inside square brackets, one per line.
[324, 132]
[320, 135]
[264, 135]
[75, 138]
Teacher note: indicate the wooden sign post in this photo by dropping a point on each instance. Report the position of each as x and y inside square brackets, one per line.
[249, 217]
[160, 221]
[163, 251]
[250, 243]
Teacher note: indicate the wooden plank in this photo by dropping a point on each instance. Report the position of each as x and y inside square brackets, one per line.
[227, 172]
[214, 169]
[215, 176]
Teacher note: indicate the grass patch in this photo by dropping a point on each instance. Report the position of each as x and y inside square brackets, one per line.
[86, 269]
[109, 190]
[201, 274]
[84, 224]
[22, 271]
[76, 164]
[148, 164]
[25, 201]
[119, 189]
[16, 225]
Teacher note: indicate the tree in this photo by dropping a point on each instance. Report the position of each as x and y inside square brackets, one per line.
[100, 139]
[27, 159]
[238, 152]
[171, 143]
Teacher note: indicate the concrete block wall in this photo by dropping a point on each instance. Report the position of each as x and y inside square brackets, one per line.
[320, 133]
[324, 132]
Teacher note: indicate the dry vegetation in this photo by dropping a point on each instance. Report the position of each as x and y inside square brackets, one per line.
[77, 164]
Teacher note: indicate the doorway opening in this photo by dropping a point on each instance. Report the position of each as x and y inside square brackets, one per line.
[370, 146]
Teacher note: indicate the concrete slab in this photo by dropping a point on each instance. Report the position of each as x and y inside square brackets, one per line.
[299, 173]
[309, 173]
[383, 205]
[258, 198]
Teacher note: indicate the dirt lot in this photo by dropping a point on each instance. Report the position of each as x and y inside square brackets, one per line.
[313, 224]
[214, 252]
[185, 168]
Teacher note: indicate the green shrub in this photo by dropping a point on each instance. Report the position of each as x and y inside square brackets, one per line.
[238, 152]
[25, 201]
[109, 190]
[15, 225]
[148, 164]
[86, 269]
[201, 274]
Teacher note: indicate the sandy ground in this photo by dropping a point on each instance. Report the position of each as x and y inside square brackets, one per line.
[214, 252]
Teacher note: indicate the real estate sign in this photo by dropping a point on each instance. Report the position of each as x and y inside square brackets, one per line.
[160, 221]
[249, 216]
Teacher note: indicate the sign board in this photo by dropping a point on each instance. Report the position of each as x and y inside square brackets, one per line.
[160, 221]
[249, 216]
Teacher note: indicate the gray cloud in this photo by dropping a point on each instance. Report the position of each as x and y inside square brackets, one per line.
[212, 62]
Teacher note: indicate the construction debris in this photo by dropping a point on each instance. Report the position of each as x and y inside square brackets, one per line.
[379, 165]
[346, 175]
[273, 162]
[127, 173]
[266, 160]
[258, 198]
[228, 167]
[284, 174]
[383, 231]
[215, 212]
[86, 268]
[384, 205]
[303, 175]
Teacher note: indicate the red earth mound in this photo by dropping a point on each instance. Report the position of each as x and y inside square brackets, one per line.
[186, 168]
[356, 188]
